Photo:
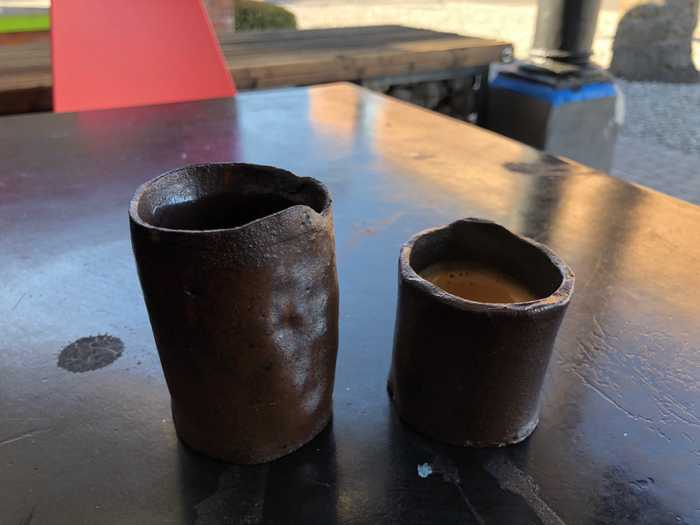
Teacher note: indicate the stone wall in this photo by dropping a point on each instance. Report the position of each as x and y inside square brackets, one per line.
[457, 97]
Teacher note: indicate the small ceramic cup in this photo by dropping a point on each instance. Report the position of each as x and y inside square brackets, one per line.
[237, 267]
[470, 373]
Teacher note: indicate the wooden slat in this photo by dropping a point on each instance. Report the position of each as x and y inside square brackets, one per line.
[405, 54]
[356, 68]
[281, 58]
[455, 59]
[340, 39]
[371, 42]
[307, 34]
[407, 47]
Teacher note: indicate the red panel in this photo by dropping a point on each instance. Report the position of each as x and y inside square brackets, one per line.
[117, 53]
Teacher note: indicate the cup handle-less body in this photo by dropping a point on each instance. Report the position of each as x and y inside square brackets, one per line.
[470, 373]
[245, 318]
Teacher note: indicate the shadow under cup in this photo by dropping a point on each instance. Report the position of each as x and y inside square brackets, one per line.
[468, 369]
[237, 267]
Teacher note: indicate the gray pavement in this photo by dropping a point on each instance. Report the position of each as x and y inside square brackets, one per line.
[663, 169]
[659, 144]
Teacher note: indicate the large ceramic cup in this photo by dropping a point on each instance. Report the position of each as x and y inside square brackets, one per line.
[237, 267]
[470, 373]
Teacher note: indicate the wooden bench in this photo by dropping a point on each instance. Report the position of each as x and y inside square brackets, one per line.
[394, 54]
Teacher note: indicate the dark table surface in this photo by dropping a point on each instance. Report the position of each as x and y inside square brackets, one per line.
[619, 439]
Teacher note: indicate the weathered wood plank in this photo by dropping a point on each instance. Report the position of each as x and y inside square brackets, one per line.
[333, 70]
[306, 34]
[405, 53]
[333, 40]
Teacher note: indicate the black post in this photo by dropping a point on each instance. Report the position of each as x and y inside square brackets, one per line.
[565, 30]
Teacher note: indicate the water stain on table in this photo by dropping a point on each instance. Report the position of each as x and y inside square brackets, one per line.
[541, 165]
[28, 519]
[90, 353]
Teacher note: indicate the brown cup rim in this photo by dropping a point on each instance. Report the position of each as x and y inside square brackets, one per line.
[143, 188]
[559, 297]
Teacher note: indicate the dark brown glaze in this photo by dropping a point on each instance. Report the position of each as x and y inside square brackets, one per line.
[470, 373]
[237, 266]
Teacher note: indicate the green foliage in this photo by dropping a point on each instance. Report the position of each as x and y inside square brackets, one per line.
[22, 23]
[252, 15]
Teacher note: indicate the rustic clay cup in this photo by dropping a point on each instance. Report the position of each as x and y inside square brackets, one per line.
[237, 267]
[470, 373]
